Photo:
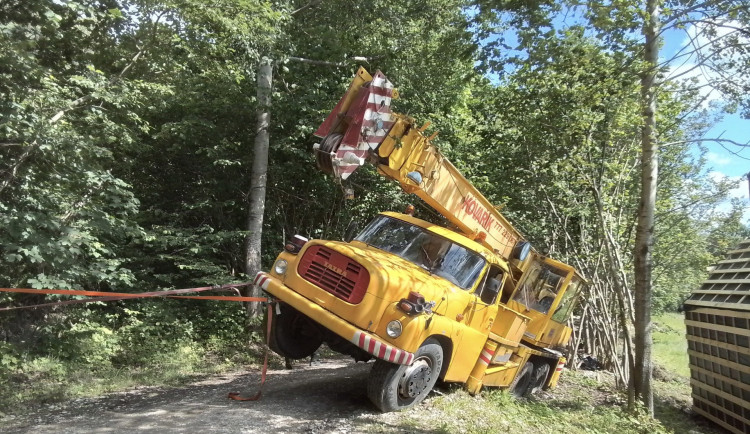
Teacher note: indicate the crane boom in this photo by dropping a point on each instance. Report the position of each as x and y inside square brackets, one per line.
[410, 158]
[363, 128]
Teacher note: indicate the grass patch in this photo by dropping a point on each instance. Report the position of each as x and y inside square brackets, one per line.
[495, 411]
[584, 402]
[670, 344]
[44, 380]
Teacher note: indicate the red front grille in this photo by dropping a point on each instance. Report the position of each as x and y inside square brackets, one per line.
[335, 273]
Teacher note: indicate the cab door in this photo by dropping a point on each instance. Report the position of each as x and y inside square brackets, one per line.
[474, 320]
[483, 309]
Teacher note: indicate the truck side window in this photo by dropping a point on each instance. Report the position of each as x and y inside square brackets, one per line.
[562, 313]
[540, 288]
[492, 285]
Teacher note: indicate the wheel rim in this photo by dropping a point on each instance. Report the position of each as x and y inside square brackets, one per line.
[540, 378]
[416, 378]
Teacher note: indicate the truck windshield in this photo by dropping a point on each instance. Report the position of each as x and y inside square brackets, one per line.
[436, 254]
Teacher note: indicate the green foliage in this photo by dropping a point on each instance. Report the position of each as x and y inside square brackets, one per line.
[424, 48]
[64, 215]
[126, 129]
[88, 343]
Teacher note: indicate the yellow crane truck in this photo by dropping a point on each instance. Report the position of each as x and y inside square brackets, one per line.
[473, 303]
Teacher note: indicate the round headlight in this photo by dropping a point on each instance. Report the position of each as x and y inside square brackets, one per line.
[280, 266]
[394, 329]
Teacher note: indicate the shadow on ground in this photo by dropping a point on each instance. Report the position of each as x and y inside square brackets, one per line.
[327, 397]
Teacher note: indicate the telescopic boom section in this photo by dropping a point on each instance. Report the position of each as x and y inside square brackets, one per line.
[363, 128]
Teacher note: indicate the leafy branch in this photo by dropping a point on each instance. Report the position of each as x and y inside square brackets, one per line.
[12, 172]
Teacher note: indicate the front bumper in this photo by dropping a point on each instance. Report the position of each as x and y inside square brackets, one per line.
[368, 342]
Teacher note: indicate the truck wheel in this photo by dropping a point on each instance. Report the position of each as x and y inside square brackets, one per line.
[294, 335]
[539, 379]
[393, 387]
[522, 381]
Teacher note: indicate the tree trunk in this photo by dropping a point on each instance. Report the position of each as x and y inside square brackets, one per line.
[257, 196]
[644, 238]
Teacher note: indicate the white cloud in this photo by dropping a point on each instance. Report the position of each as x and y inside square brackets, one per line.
[717, 159]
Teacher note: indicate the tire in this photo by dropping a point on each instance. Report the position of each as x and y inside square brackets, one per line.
[293, 335]
[394, 387]
[522, 381]
[538, 379]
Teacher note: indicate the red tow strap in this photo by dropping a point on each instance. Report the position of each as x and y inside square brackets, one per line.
[236, 395]
[112, 296]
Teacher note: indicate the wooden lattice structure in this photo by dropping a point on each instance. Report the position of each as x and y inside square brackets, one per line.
[717, 316]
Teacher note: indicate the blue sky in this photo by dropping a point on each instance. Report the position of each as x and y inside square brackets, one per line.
[734, 128]
[725, 160]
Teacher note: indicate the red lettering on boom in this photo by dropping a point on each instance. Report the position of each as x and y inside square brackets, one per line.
[481, 215]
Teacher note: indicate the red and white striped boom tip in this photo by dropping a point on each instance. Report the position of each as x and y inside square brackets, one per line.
[364, 125]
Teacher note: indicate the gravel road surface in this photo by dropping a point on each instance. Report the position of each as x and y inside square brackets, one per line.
[327, 397]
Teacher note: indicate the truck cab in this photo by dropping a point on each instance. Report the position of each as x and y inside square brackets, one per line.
[401, 282]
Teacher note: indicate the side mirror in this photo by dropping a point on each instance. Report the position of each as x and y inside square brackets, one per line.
[351, 231]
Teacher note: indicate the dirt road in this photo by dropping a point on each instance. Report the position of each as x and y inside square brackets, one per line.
[328, 397]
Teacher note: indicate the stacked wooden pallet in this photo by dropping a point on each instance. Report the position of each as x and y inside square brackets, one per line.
[717, 316]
